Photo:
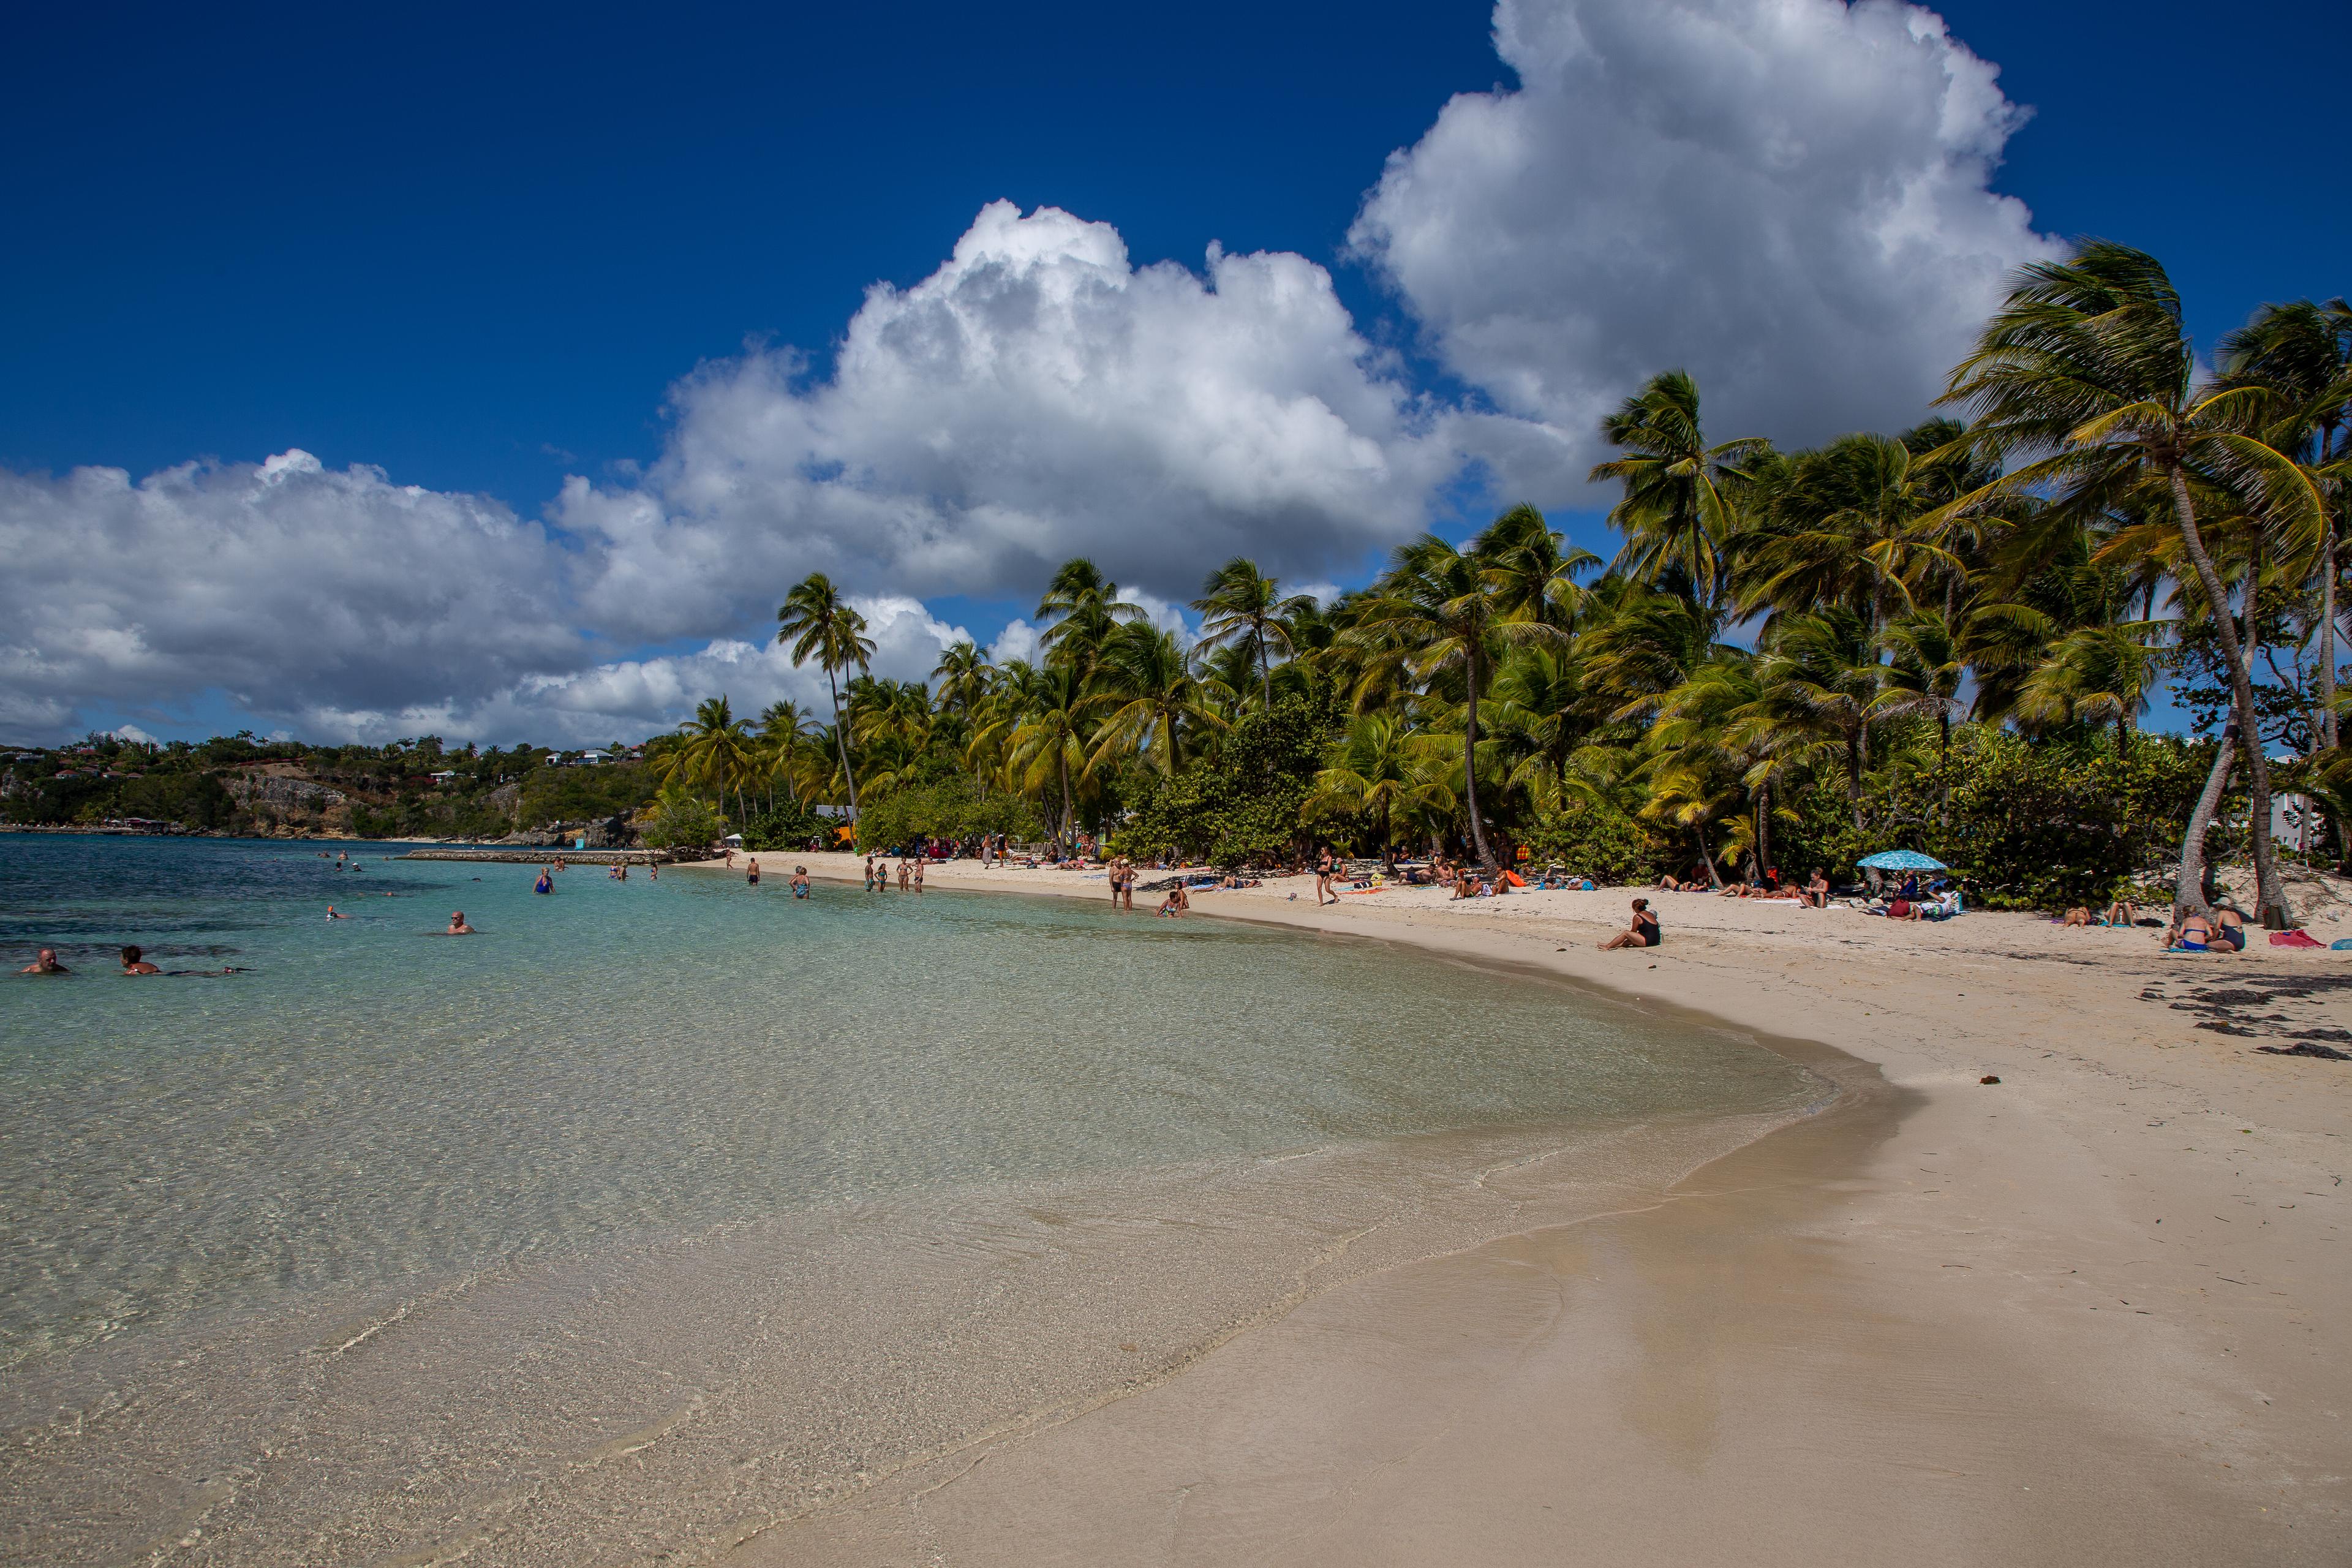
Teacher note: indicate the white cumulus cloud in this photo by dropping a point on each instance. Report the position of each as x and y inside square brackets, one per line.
[1788, 198]
[1036, 397]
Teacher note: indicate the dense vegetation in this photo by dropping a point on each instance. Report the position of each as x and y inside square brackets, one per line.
[1942, 638]
[407, 788]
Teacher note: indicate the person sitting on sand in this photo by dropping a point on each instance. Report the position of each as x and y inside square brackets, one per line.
[1817, 892]
[1667, 883]
[2231, 927]
[2193, 933]
[2078, 916]
[1175, 903]
[458, 926]
[1645, 931]
[133, 964]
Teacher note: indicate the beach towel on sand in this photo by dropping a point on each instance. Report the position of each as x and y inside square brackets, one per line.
[2293, 939]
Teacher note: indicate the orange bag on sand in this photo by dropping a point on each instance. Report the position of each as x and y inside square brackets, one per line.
[1515, 878]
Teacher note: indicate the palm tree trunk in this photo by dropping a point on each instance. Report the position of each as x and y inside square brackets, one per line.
[1707, 857]
[2328, 732]
[1069, 809]
[1265, 666]
[1470, 766]
[1763, 827]
[2188, 893]
[841, 740]
[1856, 749]
[2274, 914]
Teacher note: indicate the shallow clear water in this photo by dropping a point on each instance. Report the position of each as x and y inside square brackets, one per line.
[370, 1110]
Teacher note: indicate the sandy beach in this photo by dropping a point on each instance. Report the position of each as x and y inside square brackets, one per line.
[2090, 1313]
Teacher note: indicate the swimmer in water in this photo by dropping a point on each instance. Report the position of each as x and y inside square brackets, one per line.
[47, 963]
[458, 926]
[335, 914]
[133, 964]
[545, 884]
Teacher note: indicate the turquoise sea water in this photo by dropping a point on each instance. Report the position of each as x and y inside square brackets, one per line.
[369, 1109]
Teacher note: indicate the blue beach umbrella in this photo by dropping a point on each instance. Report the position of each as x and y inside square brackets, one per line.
[1901, 860]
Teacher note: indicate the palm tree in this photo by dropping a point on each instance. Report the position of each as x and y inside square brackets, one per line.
[1239, 604]
[1382, 765]
[2302, 353]
[1144, 680]
[1676, 511]
[1843, 526]
[2094, 675]
[1924, 672]
[1534, 578]
[1441, 620]
[1085, 608]
[719, 748]
[785, 730]
[1049, 741]
[964, 675]
[1819, 678]
[2088, 366]
[818, 622]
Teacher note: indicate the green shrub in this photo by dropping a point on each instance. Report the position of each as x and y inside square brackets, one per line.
[1598, 841]
[681, 821]
[1244, 807]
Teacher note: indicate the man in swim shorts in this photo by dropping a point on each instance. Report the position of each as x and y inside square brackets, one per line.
[458, 926]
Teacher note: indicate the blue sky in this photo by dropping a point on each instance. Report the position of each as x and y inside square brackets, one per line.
[479, 252]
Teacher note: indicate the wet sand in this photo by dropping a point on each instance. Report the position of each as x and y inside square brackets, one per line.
[2092, 1313]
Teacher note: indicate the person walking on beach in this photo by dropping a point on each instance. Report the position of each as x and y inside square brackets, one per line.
[1323, 877]
[1642, 932]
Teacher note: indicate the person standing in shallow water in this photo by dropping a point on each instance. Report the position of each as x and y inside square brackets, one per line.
[751, 873]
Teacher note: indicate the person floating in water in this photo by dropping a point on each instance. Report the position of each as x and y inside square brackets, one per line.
[133, 964]
[335, 914]
[546, 884]
[458, 926]
[800, 882]
[46, 963]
